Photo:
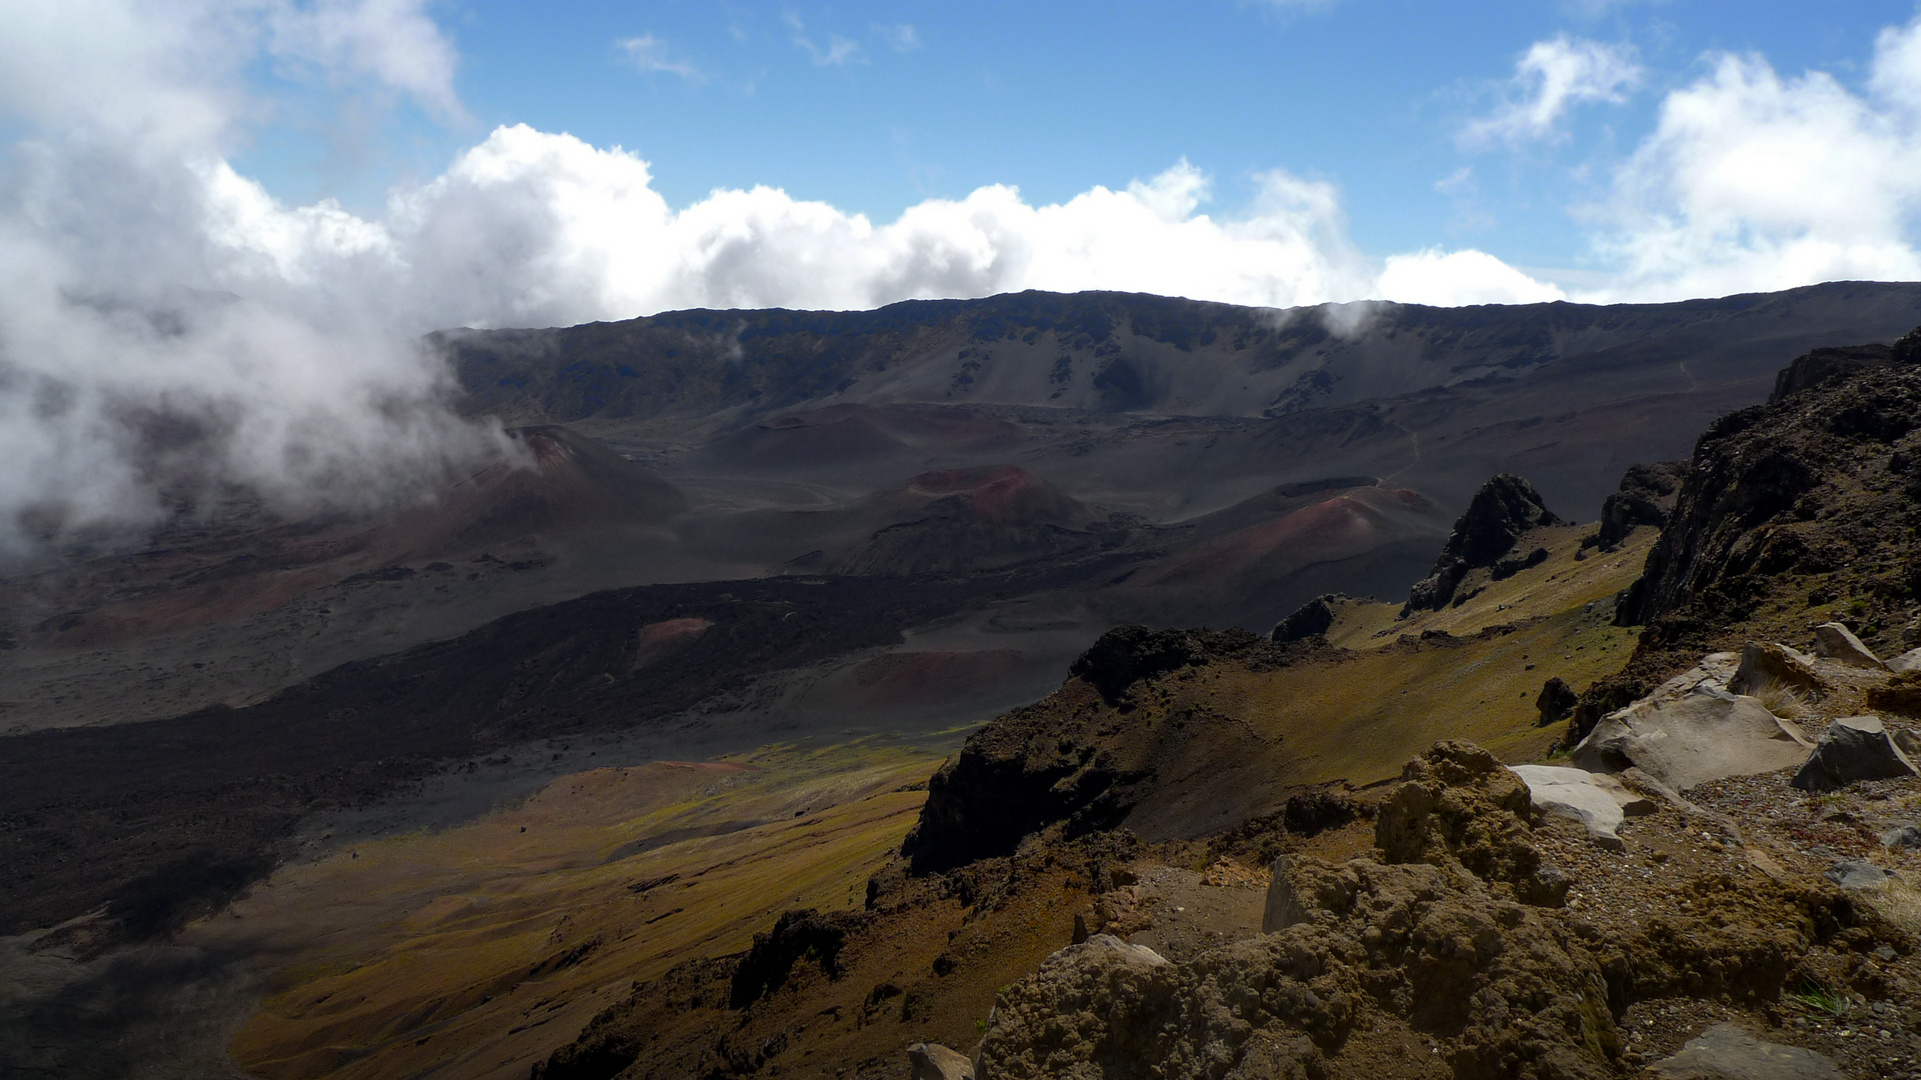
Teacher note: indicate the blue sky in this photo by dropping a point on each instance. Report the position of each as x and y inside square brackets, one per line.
[935, 100]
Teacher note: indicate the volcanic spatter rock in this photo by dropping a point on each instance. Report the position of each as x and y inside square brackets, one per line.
[1505, 507]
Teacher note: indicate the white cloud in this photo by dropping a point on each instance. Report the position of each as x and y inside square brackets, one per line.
[900, 37]
[1753, 181]
[1450, 279]
[1550, 78]
[650, 55]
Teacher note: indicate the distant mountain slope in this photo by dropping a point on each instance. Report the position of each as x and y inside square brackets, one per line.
[1118, 352]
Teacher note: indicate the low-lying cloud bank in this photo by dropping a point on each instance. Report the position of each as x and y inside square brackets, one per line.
[167, 325]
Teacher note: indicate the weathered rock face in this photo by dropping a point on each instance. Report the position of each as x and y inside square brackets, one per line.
[1501, 511]
[1646, 497]
[1854, 748]
[1596, 800]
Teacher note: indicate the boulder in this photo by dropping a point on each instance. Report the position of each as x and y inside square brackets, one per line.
[1112, 948]
[1596, 800]
[1857, 874]
[1907, 661]
[1725, 1052]
[1908, 741]
[1835, 642]
[1854, 748]
[1765, 666]
[1705, 734]
[932, 1061]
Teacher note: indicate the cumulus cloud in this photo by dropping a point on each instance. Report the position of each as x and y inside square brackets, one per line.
[1755, 181]
[164, 328]
[1551, 78]
[1451, 279]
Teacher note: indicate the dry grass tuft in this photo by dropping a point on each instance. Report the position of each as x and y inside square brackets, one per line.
[1782, 700]
[1898, 902]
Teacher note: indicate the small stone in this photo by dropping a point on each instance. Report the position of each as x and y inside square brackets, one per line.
[1905, 838]
[1857, 874]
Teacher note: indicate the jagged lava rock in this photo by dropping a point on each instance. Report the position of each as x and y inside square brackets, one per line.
[1853, 748]
[1596, 800]
[1309, 620]
[1836, 642]
[1705, 734]
[1556, 702]
[1725, 1052]
[1646, 497]
[1505, 508]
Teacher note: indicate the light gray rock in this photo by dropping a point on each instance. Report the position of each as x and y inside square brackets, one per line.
[1285, 906]
[932, 1061]
[1904, 838]
[1109, 945]
[1596, 800]
[1907, 661]
[1725, 1052]
[1857, 874]
[1835, 642]
[1908, 741]
[1701, 736]
[1764, 665]
[1853, 748]
[1715, 669]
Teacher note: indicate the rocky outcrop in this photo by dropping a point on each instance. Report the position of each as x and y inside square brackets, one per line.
[1646, 497]
[808, 934]
[1812, 369]
[1801, 486]
[1854, 748]
[1309, 620]
[1127, 654]
[1357, 955]
[1505, 508]
[1457, 803]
